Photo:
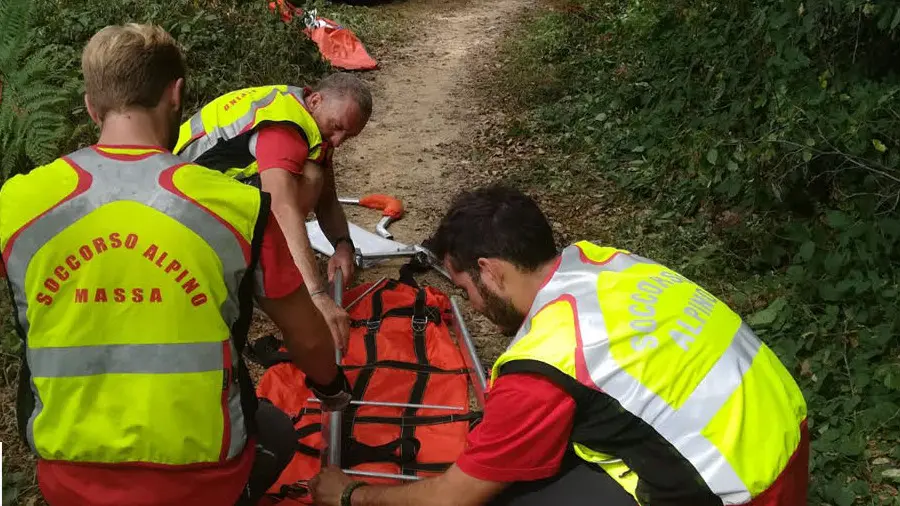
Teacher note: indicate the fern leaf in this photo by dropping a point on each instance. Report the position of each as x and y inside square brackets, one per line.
[35, 93]
[13, 31]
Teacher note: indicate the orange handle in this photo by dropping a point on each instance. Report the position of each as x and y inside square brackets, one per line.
[389, 206]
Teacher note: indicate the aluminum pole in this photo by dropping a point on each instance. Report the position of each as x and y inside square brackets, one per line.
[381, 475]
[398, 405]
[335, 418]
[477, 376]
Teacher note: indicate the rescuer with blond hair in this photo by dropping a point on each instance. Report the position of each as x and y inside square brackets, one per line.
[134, 276]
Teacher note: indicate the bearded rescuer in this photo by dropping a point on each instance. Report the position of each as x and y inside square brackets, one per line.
[625, 383]
[134, 275]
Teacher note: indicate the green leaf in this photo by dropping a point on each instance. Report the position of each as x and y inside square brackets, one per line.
[712, 156]
[768, 315]
[891, 378]
[851, 446]
[806, 251]
[838, 220]
[879, 146]
[841, 494]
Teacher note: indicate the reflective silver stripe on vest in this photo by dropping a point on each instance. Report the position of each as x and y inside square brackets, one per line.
[197, 129]
[138, 181]
[194, 149]
[681, 427]
[125, 358]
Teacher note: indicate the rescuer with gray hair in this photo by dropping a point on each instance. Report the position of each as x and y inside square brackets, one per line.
[280, 138]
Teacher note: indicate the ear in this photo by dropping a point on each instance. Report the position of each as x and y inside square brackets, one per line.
[491, 274]
[178, 94]
[91, 112]
[313, 100]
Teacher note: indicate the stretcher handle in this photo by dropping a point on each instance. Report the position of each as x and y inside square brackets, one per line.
[389, 206]
[335, 418]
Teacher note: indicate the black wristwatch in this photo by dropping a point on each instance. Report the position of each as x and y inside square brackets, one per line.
[345, 497]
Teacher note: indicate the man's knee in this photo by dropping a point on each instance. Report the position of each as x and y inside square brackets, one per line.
[276, 432]
[577, 484]
[276, 444]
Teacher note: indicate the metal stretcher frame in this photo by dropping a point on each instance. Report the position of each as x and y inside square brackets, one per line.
[332, 420]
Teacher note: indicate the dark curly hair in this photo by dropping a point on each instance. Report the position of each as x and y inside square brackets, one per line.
[496, 221]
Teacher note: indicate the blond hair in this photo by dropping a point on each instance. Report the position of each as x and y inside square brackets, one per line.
[130, 65]
[344, 85]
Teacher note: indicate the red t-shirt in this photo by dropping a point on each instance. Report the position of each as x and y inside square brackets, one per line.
[281, 146]
[525, 433]
[73, 484]
[284, 147]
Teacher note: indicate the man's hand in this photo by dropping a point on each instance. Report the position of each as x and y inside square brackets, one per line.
[453, 488]
[337, 319]
[344, 260]
[328, 485]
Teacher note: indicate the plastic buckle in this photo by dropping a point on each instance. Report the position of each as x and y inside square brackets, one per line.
[295, 490]
[373, 324]
[419, 324]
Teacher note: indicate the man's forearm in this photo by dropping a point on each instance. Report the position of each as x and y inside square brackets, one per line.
[330, 214]
[294, 228]
[422, 493]
[453, 488]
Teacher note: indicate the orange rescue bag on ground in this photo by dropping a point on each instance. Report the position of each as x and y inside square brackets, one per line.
[400, 350]
[340, 46]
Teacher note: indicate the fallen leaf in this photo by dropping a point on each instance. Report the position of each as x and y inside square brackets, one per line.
[891, 474]
[805, 368]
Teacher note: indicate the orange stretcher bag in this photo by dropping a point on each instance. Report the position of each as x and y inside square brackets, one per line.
[337, 43]
[400, 351]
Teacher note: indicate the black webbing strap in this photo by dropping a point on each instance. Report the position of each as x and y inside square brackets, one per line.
[354, 452]
[365, 375]
[406, 366]
[266, 351]
[471, 416]
[433, 314]
[417, 394]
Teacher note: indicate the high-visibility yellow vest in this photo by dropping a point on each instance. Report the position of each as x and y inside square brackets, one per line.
[676, 397]
[219, 135]
[132, 279]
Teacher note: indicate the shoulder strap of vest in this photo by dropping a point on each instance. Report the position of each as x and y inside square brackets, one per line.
[578, 391]
[241, 327]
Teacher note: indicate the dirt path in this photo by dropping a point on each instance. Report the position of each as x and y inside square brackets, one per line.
[415, 145]
[420, 115]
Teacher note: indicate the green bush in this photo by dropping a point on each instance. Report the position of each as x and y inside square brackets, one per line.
[762, 134]
[229, 44]
[33, 92]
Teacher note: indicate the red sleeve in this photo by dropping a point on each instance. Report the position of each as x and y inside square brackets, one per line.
[281, 146]
[278, 275]
[524, 433]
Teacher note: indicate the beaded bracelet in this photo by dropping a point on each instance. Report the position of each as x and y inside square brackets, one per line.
[345, 497]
